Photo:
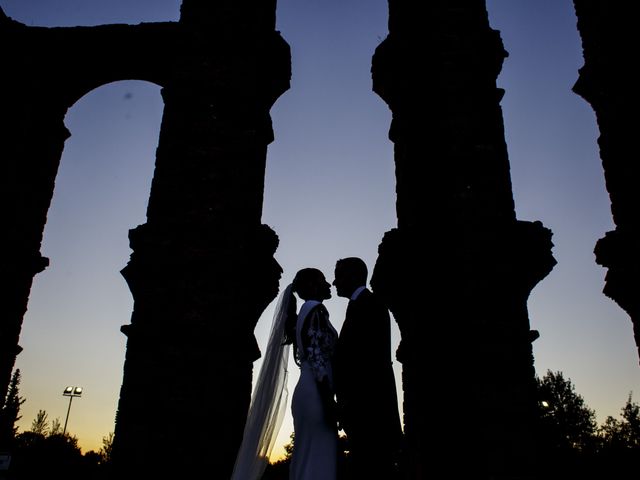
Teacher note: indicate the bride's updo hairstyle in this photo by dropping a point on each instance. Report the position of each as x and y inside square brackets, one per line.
[304, 283]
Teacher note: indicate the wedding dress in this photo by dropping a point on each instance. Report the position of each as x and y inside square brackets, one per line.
[315, 443]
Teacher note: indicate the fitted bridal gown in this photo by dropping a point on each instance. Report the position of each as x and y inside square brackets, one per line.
[316, 441]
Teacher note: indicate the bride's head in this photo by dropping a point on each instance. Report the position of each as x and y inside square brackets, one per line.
[308, 284]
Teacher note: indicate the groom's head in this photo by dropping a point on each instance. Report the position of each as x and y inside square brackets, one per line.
[350, 273]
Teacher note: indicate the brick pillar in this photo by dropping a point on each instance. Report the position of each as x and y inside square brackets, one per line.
[458, 269]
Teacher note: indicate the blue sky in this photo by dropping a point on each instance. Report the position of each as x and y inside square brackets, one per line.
[329, 193]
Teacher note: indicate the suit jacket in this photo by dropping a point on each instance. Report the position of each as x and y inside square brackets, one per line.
[363, 373]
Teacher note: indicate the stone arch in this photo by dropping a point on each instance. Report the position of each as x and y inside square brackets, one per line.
[202, 241]
[41, 86]
[90, 252]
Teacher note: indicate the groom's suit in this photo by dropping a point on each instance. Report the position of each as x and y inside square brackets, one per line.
[365, 387]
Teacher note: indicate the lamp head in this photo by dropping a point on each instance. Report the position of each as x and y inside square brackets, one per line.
[72, 391]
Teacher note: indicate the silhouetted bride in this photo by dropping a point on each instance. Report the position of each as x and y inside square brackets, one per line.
[313, 406]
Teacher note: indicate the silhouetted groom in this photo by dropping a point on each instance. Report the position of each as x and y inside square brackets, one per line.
[363, 374]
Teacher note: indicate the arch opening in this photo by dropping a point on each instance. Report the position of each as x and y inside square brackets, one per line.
[70, 333]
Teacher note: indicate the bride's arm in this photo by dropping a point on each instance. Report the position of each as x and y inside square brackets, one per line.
[318, 345]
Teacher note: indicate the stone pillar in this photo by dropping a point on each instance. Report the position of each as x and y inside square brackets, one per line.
[202, 269]
[458, 269]
[32, 136]
[607, 82]
[32, 153]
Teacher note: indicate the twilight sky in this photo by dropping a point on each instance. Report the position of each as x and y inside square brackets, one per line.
[329, 193]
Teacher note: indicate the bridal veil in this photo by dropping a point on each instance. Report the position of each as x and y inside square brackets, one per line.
[268, 401]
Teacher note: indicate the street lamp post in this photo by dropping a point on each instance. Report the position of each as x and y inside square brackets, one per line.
[70, 392]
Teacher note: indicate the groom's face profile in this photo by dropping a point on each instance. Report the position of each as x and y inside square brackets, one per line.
[341, 281]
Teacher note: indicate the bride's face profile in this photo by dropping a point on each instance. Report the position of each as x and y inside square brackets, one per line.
[324, 288]
[312, 285]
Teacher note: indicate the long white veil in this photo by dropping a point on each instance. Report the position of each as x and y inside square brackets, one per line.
[268, 401]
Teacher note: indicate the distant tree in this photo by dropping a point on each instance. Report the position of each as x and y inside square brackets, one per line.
[10, 412]
[622, 434]
[56, 427]
[107, 448]
[92, 461]
[40, 424]
[567, 435]
[38, 455]
[566, 422]
[279, 470]
[619, 452]
[45, 451]
[70, 441]
[288, 448]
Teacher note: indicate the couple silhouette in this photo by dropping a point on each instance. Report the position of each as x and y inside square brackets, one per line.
[346, 382]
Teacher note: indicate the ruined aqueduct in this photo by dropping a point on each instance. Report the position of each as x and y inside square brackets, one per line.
[203, 235]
